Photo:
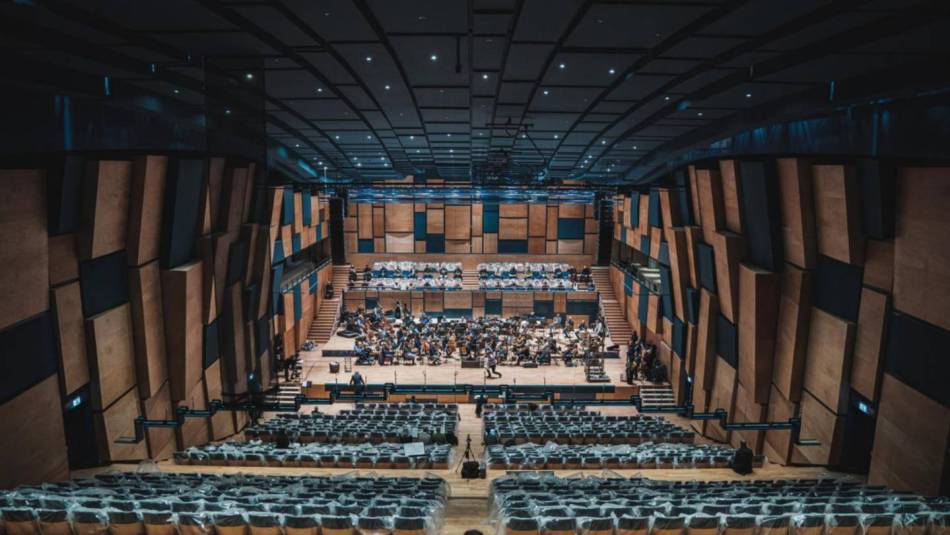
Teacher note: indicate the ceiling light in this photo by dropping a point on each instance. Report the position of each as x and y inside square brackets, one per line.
[297, 145]
[449, 135]
[666, 98]
[319, 90]
[634, 147]
[382, 158]
[545, 91]
[555, 136]
[418, 151]
[612, 71]
[562, 66]
[748, 95]
[369, 137]
[336, 137]
[699, 113]
[524, 136]
[249, 76]
[359, 164]
[355, 158]
[369, 59]
[421, 17]
[411, 138]
[485, 76]
[451, 150]
[387, 87]
[175, 91]
[227, 112]
[434, 57]
[603, 141]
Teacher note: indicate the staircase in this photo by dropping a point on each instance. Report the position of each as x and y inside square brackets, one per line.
[340, 278]
[285, 394]
[470, 279]
[324, 324]
[655, 396]
[617, 325]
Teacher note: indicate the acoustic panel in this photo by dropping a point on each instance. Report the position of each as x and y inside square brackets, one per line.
[910, 440]
[365, 221]
[490, 218]
[706, 328]
[722, 396]
[760, 207]
[116, 422]
[513, 229]
[728, 253]
[727, 341]
[794, 314]
[111, 355]
[145, 208]
[821, 424]
[869, 343]
[64, 194]
[828, 360]
[221, 423]
[551, 225]
[712, 212]
[399, 243]
[160, 440]
[570, 229]
[877, 182]
[512, 246]
[797, 200]
[458, 246]
[458, 222]
[231, 211]
[71, 336]
[148, 328]
[105, 208]
[513, 210]
[379, 222]
[435, 221]
[878, 265]
[759, 294]
[24, 254]
[732, 193]
[778, 444]
[180, 211]
[194, 432]
[837, 213]
[706, 259]
[921, 255]
[63, 259]
[477, 218]
[570, 247]
[399, 217]
[181, 301]
[537, 220]
[104, 283]
[32, 445]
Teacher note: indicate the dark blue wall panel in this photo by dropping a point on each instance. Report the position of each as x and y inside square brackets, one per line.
[180, 212]
[512, 246]
[490, 218]
[727, 341]
[419, 226]
[762, 222]
[435, 243]
[570, 229]
[838, 288]
[707, 266]
[364, 246]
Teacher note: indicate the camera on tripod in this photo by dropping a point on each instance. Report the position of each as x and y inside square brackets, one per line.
[471, 468]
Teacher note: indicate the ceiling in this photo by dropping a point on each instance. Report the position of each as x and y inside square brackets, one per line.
[578, 89]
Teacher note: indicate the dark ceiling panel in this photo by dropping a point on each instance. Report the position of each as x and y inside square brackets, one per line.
[632, 25]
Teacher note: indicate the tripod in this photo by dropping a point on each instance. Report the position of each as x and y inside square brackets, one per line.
[467, 455]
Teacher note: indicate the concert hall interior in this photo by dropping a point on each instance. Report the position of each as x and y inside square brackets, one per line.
[509, 267]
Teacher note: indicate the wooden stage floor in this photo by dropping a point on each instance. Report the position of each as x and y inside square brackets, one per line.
[316, 369]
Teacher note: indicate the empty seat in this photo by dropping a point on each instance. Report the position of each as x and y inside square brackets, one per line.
[597, 526]
[668, 525]
[336, 525]
[409, 525]
[372, 525]
[125, 523]
[560, 526]
[193, 524]
[53, 521]
[159, 523]
[89, 522]
[633, 525]
[702, 525]
[19, 521]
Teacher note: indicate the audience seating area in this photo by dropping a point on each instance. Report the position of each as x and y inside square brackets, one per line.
[561, 425]
[202, 504]
[375, 424]
[531, 276]
[597, 506]
[641, 456]
[316, 455]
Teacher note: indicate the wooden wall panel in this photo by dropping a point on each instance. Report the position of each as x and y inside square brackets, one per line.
[728, 253]
[221, 424]
[570, 247]
[478, 211]
[560, 303]
[571, 211]
[794, 314]
[878, 265]
[552, 223]
[435, 221]
[704, 369]
[591, 244]
[537, 246]
[458, 246]
[458, 222]
[797, 200]
[234, 361]
[748, 410]
[148, 328]
[458, 300]
[490, 243]
[517, 299]
[869, 342]
[105, 208]
[712, 212]
[778, 444]
[119, 421]
[513, 210]
[379, 222]
[729, 173]
[434, 301]
[820, 424]
[195, 431]
[679, 270]
[910, 440]
[693, 236]
[723, 396]
[211, 196]
[512, 229]
[399, 243]
[25, 251]
[669, 208]
[63, 259]
[828, 357]
[145, 208]
[160, 440]
[759, 293]
[71, 336]
[921, 255]
[111, 354]
[181, 301]
[231, 211]
[32, 444]
[399, 217]
[837, 215]
[365, 219]
[537, 220]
